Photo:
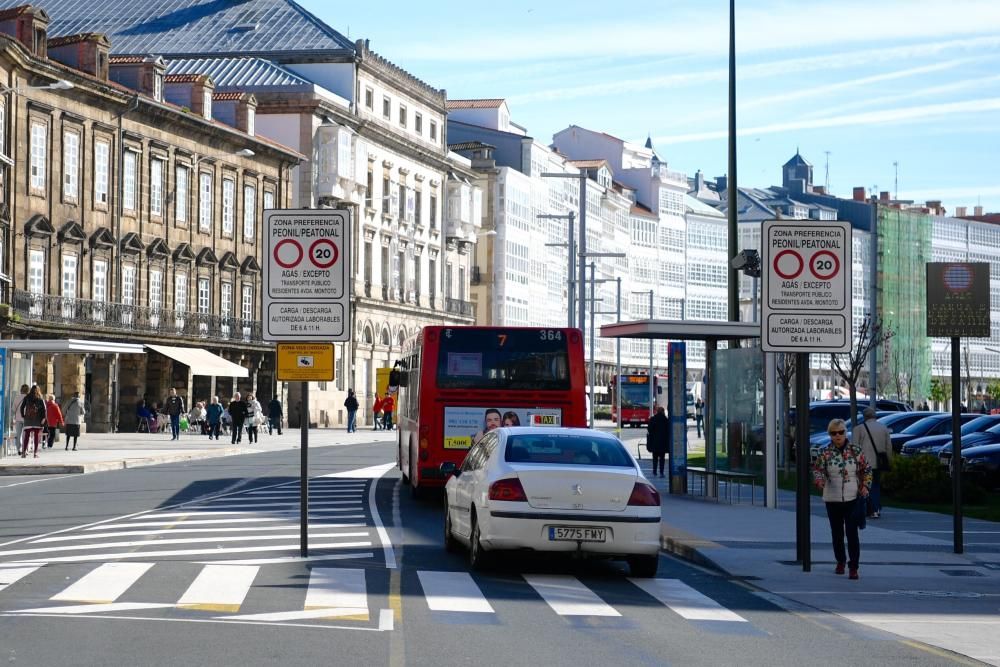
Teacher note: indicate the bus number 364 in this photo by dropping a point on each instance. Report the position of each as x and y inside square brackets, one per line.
[549, 334]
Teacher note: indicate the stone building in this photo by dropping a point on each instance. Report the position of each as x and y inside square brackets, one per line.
[129, 213]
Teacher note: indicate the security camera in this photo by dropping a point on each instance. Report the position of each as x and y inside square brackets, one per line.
[739, 261]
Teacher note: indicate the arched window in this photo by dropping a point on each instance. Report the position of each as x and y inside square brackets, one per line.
[369, 337]
[401, 337]
[385, 337]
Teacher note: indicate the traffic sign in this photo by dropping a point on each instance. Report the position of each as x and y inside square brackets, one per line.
[305, 362]
[806, 300]
[307, 287]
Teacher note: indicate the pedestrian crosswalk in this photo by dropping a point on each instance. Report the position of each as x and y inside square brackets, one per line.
[297, 593]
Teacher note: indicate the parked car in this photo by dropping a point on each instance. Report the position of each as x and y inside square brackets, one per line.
[894, 421]
[886, 404]
[938, 424]
[983, 463]
[990, 436]
[570, 490]
[932, 444]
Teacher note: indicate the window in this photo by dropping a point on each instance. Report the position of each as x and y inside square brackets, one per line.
[447, 280]
[432, 213]
[370, 188]
[247, 309]
[228, 202]
[99, 289]
[402, 115]
[204, 296]
[461, 283]
[433, 130]
[207, 103]
[418, 203]
[3, 130]
[128, 285]
[128, 185]
[180, 292]
[401, 258]
[102, 152]
[181, 207]
[158, 86]
[368, 263]
[39, 150]
[432, 278]
[416, 276]
[418, 123]
[386, 194]
[205, 203]
[251, 121]
[385, 267]
[226, 300]
[386, 107]
[369, 99]
[268, 199]
[36, 281]
[156, 187]
[249, 211]
[155, 289]
[71, 165]
[401, 200]
[69, 265]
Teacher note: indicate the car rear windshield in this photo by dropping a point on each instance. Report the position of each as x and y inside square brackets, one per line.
[567, 449]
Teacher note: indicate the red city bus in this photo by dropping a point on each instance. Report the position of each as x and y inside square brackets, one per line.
[634, 390]
[456, 383]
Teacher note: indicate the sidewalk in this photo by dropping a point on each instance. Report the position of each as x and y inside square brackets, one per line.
[912, 584]
[114, 451]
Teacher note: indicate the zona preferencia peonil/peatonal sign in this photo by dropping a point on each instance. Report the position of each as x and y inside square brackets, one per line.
[307, 288]
[806, 304]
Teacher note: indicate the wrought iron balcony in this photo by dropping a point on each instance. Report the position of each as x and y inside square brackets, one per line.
[97, 315]
[458, 307]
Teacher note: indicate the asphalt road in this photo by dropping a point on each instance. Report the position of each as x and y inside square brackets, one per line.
[197, 564]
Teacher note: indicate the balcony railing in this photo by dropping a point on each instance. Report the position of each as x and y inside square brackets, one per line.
[458, 307]
[140, 319]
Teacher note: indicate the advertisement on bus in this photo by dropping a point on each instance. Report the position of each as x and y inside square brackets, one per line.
[465, 425]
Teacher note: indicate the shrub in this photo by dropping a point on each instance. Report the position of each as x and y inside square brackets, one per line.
[602, 414]
[922, 479]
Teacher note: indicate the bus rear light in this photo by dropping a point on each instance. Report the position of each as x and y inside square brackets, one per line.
[508, 490]
[644, 495]
[423, 443]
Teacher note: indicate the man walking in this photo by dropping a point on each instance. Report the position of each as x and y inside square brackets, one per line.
[352, 411]
[699, 414]
[175, 408]
[388, 405]
[876, 444]
[275, 415]
[658, 440]
[238, 415]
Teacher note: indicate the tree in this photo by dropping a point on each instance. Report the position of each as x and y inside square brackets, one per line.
[904, 365]
[940, 391]
[786, 374]
[849, 365]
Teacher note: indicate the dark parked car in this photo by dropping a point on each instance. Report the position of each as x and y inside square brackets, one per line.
[990, 436]
[939, 424]
[983, 463]
[932, 444]
[881, 404]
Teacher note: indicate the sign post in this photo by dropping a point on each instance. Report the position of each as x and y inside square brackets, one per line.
[806, 307]
[307, 296]
[958, 304]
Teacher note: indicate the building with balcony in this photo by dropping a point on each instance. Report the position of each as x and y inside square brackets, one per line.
[128, 216]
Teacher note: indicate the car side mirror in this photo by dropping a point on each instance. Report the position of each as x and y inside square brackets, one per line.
[449, 468]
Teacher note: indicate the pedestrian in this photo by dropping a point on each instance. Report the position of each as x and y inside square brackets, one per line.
[658, 439]
[213, 414]
[388, 405]
[33, 414]
[53, 419]
[253, 414]
[377, 412]
[275, 415]
[699, 414]
[352, 411]
[197, 416]
[73, 413]
[175, 408]
[238, 415]
[18, 419]
[843, 474]
[227, 420]
[876, 444]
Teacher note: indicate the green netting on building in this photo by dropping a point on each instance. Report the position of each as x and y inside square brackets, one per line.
[904, 244]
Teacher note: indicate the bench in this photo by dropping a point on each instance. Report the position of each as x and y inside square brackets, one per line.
[731, 479]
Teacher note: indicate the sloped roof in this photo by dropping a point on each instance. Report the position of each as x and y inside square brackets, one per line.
[588, 164]
[475, 104]
[177, 27]
[239, 73]
[469, 146]
[797, 160]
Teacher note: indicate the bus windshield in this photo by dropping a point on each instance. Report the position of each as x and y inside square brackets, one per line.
[635, 395]
[503, 359]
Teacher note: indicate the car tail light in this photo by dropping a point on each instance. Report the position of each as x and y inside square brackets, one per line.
[509, 490]
[644, 495]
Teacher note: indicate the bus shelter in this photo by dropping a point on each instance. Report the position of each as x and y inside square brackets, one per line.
[740, 399]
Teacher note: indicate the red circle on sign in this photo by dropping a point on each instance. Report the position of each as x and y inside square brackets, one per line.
[824, 276]
[298, 253]
[324, 260]
[791, 275]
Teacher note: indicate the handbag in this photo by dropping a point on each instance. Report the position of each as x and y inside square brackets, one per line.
[881, 458]
[859, 513]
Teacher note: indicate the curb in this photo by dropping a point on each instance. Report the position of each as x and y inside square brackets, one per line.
[687, 547]
[102, 466]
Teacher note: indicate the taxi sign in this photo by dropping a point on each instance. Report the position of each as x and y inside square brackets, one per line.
[305, 362]
[545, 419]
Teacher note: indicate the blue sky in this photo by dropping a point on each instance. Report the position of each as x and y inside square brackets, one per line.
[915, 82]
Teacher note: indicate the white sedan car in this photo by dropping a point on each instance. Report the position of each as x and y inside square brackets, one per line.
[552, 489]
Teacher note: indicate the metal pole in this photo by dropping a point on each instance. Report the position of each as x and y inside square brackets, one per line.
[652, 396]
[571, 291]
[803, 537]
[770, 431]
[593, 307]
[753, 303]
[732, 196]
[582, 286]
[956, 443]
[304, 473]
[618, 354]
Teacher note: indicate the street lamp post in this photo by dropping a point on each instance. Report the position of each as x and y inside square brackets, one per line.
[593, 268]
[571, 244]
[617, 312]
[582, 278]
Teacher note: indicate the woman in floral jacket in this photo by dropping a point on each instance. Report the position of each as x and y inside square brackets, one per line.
[843, 474]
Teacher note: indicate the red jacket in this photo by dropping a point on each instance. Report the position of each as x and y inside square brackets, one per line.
[388, 404]
[377, 406]
[53, 415]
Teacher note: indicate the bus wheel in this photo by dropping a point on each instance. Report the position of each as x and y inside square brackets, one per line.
[404, 472]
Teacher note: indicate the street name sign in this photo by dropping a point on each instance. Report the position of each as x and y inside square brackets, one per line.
[806, 301]
[305, 362]
[307, 288]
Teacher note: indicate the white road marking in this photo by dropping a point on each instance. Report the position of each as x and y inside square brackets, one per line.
[385, 622]
[10, 573]
[104, 584]
[290, 495]
[374, 473]
[263, 513]
[292, 559]
[219, 588]
[94, 608]
[568, 596]
[264, 503]
[181, 528]
[453, 591]
[297, 615]
[686, 601]
[192, 522]
[371, 472]
[46, 478]
[202, 552]
[337, 587]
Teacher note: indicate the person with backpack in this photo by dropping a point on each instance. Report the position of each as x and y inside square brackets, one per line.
[658, 440]
[73, 412]
[53, 419]
[175, 408]
[33, 414]
[352, 411]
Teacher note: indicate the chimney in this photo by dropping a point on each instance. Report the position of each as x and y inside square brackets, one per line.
[977, 211]
[28, 25]
[235, 109]
[192, 91]
[699, 182]
[819, 189]
[859, 194]
[87, 52]
[935, 206]
[883, 196]
[721, 183]
[143, 74]
[960, 211]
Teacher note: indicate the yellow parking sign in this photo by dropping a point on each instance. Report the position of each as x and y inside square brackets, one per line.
[305, 362]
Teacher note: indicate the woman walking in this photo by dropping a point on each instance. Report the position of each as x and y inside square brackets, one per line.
[843, 474]
[658, 440]
[213, 413]
[53, 419]
[33, 414]
[253, 415]
[73, 413]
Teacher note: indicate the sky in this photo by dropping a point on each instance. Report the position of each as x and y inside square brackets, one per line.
[872, 93]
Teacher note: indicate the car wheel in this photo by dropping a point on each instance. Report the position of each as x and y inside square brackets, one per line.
[478, 557]
[450, 543]
[643, 566]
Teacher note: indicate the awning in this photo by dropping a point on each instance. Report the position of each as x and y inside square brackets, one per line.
[202, 362]
[71, 346]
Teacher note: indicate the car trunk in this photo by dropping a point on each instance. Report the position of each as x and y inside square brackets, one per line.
[577, 488]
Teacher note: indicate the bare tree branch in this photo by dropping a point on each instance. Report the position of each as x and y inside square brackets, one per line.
[849, 365]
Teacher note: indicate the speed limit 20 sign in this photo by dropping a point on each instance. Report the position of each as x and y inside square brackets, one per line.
[806, 301]
[307, 275]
